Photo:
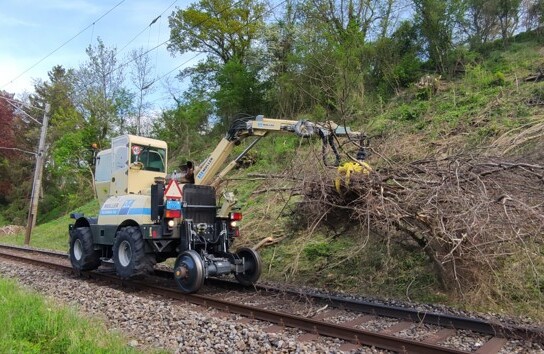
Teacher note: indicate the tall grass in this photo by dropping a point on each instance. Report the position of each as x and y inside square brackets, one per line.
[31, 324]
[54, 234]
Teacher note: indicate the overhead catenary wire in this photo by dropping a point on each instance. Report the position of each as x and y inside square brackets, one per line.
[138, 35]
[126, 63]
[63, 44]
[200, 53]
[168, 40]
[26, 114]
[146, 27]
[17, 149]
[21, 103]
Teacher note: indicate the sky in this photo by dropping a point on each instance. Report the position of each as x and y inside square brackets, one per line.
[32, 29]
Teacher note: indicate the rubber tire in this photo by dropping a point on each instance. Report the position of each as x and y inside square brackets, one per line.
[139, 262]
[83, 256]
[192, 261]
[253, 266]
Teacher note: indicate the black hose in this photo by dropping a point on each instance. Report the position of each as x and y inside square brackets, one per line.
[328, 140]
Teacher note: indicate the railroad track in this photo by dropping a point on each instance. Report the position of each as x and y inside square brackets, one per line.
[321, 323]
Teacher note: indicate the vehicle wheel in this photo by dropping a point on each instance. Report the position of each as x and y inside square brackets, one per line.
[82, 253]
[252, 266]
[129, 256]
[189, 271]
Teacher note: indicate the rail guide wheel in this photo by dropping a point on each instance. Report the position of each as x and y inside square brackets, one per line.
[189, 271]
[252, 266]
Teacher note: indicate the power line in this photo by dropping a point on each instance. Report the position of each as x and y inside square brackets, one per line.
[138, 35]
[147, 51]
[22, 111]
[168, 40]
[17, 149]
[198, 54]
[147, 27]
[20, 103]
[63, 44]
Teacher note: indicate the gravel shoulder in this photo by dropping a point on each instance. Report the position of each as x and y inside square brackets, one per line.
[162, 323]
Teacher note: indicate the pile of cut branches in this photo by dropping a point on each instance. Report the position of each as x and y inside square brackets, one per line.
[467, 213]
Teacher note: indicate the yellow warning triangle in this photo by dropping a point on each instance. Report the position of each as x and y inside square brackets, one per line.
[173, 191]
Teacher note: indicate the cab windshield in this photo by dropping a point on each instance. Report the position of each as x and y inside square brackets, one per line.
[151, 157]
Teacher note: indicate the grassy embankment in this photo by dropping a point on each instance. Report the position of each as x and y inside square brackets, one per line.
[475, 112]
[54, 234]
[31, 324]
[470, 112]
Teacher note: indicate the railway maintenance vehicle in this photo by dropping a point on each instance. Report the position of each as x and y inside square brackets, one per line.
[147, 216]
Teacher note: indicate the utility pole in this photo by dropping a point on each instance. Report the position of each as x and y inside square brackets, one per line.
[37, 183]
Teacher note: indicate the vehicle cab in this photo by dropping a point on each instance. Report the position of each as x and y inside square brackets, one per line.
[130, 166]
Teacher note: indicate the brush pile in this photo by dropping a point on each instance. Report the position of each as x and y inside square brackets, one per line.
[467, 213]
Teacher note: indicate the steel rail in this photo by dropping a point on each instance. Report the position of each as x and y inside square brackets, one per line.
[418, 316]
[534, 333]
[35, 250]
[350, 334]
[427, 317]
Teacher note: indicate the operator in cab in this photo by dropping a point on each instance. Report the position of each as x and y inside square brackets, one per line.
[186, 173]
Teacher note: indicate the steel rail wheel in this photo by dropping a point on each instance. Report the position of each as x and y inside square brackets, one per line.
[189, 271]
[252, 266]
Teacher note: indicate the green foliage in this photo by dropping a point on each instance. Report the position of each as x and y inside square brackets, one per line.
[435, 20]
[222, 28]
[497, 61]
[410, 112]
[34, 325]
[239, 90]
[186, 129]
[3, 220]
[100, 96]
[397, 62]
[225, 30]
[53, 234]
[67, 176]
[315, 250]
[478, 77]
[538, 93]
[499, 79]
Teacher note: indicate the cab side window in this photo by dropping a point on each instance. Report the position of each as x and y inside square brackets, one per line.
[151, 158]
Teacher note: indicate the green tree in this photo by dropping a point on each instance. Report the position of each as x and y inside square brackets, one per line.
[239, 90]
[185, 127]
[223, 29]
[68, 176]
[281, 39]
[508, 16]
[437, 21]
[481, 23]
[100, 96]
[142, 78]
[396, 60]
[320, 56]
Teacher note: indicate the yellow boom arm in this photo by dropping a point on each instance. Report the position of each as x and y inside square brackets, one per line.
[207, 173]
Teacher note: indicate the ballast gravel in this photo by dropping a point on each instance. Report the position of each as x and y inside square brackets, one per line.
[161, 323]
